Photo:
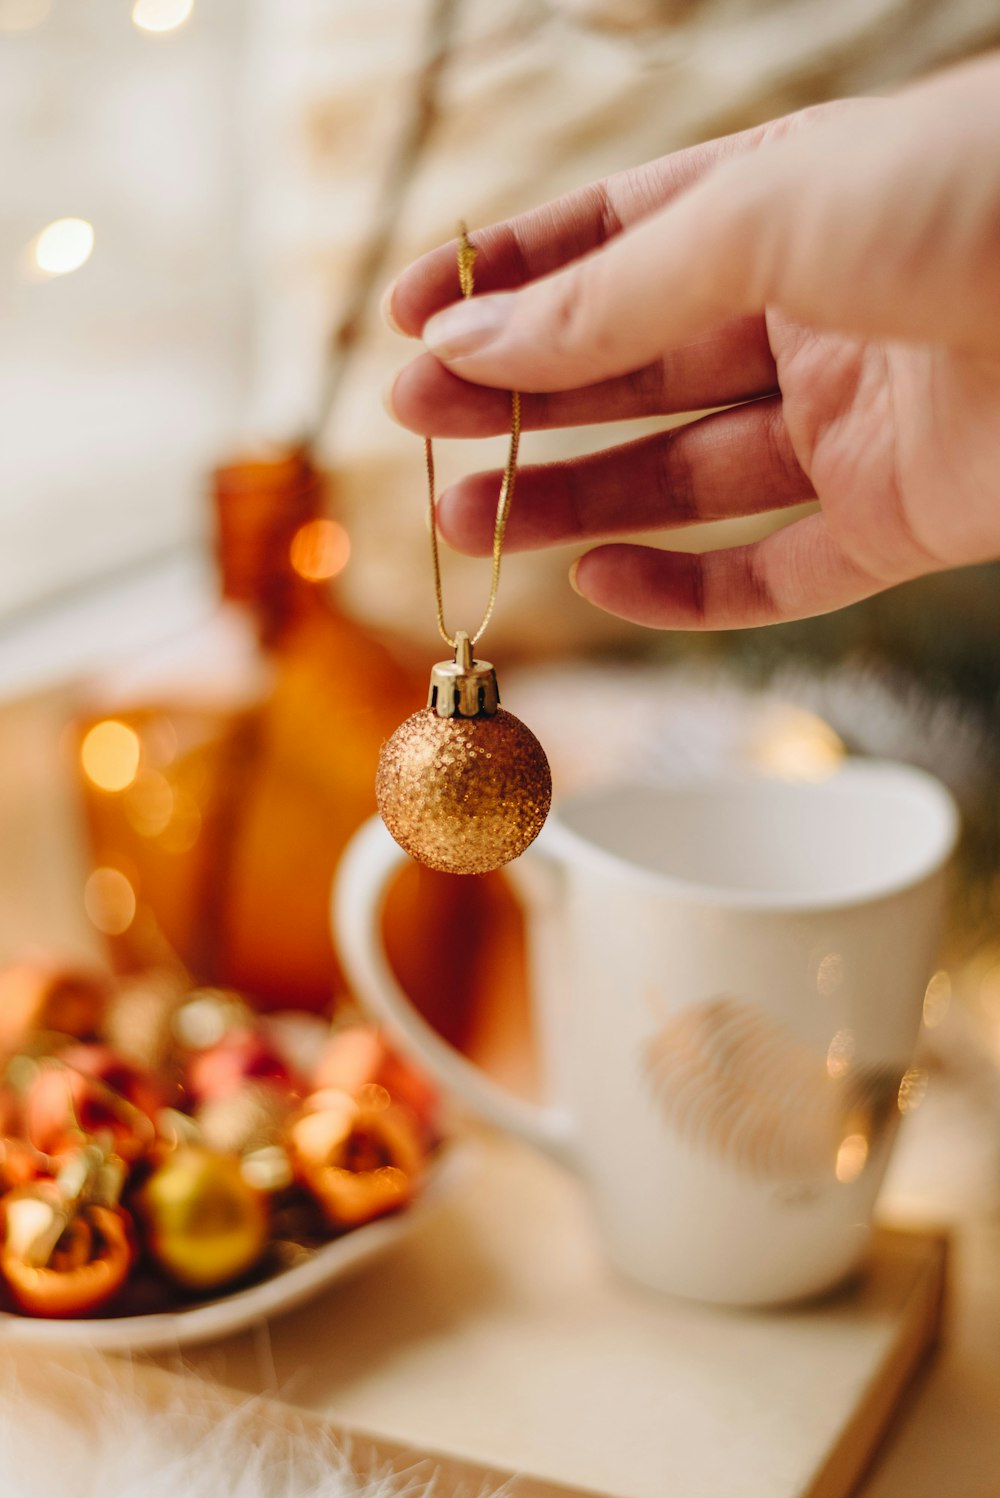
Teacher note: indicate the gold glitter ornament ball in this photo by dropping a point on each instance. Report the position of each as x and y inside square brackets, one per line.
[463, 795]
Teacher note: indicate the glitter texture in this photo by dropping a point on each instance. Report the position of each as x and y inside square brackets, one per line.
[463, 795]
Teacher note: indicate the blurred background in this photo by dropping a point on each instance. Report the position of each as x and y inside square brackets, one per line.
[200, 199]
[214, 586]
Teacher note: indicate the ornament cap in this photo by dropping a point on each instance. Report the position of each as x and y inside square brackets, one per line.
[464, 687]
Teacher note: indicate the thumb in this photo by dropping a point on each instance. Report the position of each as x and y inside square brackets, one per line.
[873, 220]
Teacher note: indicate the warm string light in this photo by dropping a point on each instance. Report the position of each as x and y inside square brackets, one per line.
[797, 745]
[937, 999]
[161, 15]
[320, 550]
[60, 248]
[840, 1054]
[912, 1090]
[110, 755]
[150, 804]
[68, 243]
[117, 761]
[109, 900]
[829, 974]
[852, 1156]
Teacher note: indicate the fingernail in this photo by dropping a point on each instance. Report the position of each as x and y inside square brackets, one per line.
[574, 569]
[467, 327]
[385, 307]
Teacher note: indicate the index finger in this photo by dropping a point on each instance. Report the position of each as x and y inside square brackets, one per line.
[521, 249]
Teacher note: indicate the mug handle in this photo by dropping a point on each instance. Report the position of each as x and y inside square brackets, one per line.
[365, 868]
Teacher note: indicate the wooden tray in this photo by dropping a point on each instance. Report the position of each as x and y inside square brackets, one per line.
[496, 1344]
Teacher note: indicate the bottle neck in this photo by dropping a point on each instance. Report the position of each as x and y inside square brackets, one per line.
[274, 547]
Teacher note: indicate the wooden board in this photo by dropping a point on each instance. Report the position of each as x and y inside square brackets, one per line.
[496, 1344]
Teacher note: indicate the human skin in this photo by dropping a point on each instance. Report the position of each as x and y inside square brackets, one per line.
[832, 278]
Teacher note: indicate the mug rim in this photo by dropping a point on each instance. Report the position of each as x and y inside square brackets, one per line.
[940, 845]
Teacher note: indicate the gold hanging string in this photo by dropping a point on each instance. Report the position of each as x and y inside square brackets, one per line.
[466, 262]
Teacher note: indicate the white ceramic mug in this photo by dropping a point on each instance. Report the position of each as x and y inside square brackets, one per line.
[728, 983]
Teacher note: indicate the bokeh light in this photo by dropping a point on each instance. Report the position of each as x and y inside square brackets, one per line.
[268, 1169]
[161, 15]
[797, 745]
[110, 755]
[319, 550]
[373, 1095]
[840, 1054]
[149, 803]
[912, 1090]
[109, 901]
[829, 974]
[159, 742]
[937, 999]
[182, 830]
[62, 246]
[851, 1158]
[204, 1017]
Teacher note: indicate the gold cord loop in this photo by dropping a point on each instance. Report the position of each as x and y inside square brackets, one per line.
[466, 263]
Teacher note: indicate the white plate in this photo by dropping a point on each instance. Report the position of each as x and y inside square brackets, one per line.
[166, 1330]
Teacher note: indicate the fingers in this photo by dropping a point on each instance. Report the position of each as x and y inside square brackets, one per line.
[668, 281]
[731, 363]
[663, 284]
[876, 220]
[793, 574]
[534, 244]
[737, 462]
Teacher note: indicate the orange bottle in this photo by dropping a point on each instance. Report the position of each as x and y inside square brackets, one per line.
[223, 780]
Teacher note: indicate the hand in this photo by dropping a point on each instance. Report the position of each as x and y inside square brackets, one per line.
[836, 272]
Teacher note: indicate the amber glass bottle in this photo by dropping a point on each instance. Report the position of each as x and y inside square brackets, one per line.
[223, 780]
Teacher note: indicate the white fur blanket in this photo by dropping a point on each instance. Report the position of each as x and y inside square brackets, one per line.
[104, 1428]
